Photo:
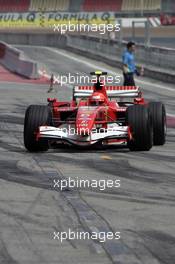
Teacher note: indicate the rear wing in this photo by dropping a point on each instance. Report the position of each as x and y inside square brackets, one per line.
[112, 91]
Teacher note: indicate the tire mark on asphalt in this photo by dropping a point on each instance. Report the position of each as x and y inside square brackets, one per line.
[5, 257]
[152, 239]
[90, 220]
[85, 212]
[49, 174]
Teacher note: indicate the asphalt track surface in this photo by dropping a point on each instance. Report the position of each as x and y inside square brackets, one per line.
[31, 209]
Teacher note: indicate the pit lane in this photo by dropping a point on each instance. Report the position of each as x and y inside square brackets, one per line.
[31, 210]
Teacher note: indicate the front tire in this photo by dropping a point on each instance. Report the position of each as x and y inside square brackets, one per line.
[139, 121]
[35, 116]
[158, 114]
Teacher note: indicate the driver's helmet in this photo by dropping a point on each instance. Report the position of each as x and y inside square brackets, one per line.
[97, 99]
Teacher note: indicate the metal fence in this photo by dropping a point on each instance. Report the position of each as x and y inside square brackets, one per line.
[154, 56]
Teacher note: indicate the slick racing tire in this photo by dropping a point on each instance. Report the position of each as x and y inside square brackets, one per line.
[139, 121]
[158, 114]
[35, 116]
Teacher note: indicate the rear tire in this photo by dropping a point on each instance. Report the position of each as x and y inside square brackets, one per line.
[158, 114]
[139, 121]
[35, 116]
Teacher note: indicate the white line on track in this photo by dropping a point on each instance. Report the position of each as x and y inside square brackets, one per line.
[156, 85]
[69, 56]
[44, 74]
[171, 115]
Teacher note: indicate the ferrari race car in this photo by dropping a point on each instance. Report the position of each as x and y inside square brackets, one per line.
[97, 115]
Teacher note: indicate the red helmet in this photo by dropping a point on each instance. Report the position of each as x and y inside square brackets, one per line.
[97, 99]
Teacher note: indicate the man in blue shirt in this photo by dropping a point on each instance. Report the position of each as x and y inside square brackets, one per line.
[129, 68]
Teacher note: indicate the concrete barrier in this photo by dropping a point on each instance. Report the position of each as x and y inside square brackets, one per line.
[16, 61]
[38, 39]
[2, 50]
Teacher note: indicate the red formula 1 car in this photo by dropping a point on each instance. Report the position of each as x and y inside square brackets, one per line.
[97, 114]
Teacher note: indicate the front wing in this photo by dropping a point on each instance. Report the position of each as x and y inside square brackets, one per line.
[115, 134]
